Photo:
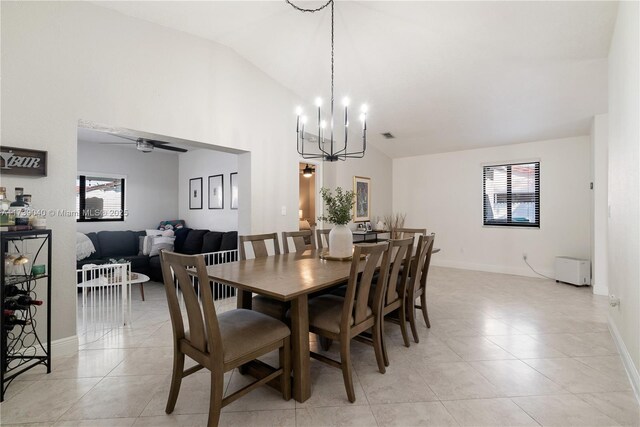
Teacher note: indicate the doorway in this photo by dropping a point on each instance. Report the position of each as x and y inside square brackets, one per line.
[307, 207]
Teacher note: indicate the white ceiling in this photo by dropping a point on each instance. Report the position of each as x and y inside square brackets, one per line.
[441, 76]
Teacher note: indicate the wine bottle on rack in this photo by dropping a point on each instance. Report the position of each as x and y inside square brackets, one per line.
[6, 312]
[21, 302]
[11, 321]
[11, 304]
[13, 290]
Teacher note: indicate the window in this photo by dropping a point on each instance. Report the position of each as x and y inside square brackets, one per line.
[511, 195]
[99, 198]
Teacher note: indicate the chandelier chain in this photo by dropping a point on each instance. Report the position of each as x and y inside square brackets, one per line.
[301, 9]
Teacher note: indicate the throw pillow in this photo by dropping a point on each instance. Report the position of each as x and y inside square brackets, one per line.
[84, 246]
[154, 232]
[161, 243]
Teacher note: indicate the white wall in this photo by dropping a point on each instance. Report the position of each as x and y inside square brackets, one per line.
[599, 166]
[375, 165]
[151, 185]
[66, 61]
[203, 163]
[443, 192]
[624, 180]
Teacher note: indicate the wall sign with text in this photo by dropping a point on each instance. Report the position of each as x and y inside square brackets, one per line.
[23, 161]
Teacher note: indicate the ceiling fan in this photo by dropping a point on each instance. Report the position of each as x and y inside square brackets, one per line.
[146, 145]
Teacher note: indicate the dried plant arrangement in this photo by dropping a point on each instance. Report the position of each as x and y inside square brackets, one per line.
[393, 222]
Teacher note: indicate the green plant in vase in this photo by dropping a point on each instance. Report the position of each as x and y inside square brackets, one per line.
[338, 212]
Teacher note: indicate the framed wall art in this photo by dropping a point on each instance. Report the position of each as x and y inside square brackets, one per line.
[216, 192]
[195, 193]
[362, 204]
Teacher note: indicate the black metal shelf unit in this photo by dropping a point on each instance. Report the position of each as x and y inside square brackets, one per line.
[21, 348]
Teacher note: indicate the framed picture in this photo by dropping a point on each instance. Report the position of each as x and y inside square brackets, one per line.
[216, 192]
[23, 161]
[362, 204]
[234, 190]
[195, 193]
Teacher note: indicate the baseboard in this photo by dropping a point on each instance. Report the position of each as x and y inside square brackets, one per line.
[65, 346]
[632, 372]
[489, 268]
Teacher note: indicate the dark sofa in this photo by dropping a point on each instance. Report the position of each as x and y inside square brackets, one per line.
[125, 245]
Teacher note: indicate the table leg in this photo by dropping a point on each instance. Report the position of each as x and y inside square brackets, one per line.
[142, 291]
[300, 343]
[244, 299]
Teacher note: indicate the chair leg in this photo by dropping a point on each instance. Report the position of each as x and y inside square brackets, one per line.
[385, 356]
[325, 343]
[403, 325]
[176, 380]
[285, 363]
[215, 398]
[411, 311]
[345, 359]
[376, 336]
[423, 303]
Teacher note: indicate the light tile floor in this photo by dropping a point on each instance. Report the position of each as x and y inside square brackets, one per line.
[502, 350]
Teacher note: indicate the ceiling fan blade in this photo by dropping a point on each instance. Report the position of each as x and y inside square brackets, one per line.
[170, 148]
[155, 142]
[130, 138]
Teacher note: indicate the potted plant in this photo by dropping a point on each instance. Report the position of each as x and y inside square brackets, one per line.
[338, 212]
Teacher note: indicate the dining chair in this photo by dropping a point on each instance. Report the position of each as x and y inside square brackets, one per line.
[217, 342]
[394, 300]
[343, 318]
[300, 239]
[417, 283]
[261, 303]
[322, 233]
[403, 233]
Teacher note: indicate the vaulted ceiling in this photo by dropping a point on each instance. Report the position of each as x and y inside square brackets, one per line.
[440, 76]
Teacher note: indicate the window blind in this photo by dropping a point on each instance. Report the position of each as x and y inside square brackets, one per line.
[511, 194]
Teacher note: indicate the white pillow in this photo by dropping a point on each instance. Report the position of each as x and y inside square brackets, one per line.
[154, 232]
[84, 246]
[161, 243]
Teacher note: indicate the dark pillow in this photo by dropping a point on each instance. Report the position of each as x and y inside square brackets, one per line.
[181, 235]
[96, 244]
[211, 242]
[193, 244]
[117, 243]
[229, 241]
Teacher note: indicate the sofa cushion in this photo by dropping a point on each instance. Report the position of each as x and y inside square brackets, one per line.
[181, 235]
[117, 244]
[211, 242]
[193, 243]
[229, 241]
[96, 244]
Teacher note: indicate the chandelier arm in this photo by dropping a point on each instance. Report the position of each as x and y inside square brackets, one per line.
[302, 9]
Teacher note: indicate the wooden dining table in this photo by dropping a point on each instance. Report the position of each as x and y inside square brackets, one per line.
[286, 277]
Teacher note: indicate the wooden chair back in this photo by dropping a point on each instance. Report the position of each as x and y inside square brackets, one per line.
[401, 251]
[403, 233]
[427, 262]
[417, 265]
[319, 234]
[204, 331]
[258, 244]
[299, 240]
[357, 296]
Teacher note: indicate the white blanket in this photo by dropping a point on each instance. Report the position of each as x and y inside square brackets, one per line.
[84, 246]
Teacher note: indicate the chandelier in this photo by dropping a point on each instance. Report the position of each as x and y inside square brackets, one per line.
[328, 148]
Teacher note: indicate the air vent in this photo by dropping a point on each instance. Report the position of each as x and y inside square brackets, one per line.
[388, 135]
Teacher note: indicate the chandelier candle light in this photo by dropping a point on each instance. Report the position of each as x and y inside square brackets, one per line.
[331, 153]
